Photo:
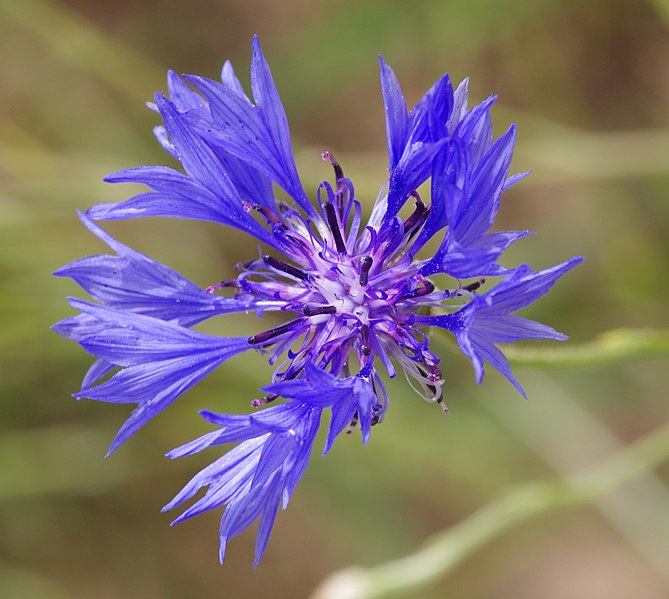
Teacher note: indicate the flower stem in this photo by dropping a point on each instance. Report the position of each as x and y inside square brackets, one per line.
[446, 550]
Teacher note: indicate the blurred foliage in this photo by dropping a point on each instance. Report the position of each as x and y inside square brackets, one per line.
[446, 550]
[585, 83]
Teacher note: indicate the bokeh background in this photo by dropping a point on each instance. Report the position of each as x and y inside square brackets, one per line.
[588, 85]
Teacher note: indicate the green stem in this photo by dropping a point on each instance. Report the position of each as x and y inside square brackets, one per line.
[613, 346]
[446, 550]
[610, 347]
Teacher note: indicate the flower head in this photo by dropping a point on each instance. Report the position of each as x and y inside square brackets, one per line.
[357, 296]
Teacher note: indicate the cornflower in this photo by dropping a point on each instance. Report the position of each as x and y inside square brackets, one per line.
[359, 297]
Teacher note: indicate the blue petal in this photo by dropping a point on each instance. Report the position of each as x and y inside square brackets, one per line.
[431, 114]
[161, 361]
[344, 396]
[524, 287]
[252, 184]
[133, 282]
[182, 96]
[468, 178]
[478, 259]
[366, 399]
[266, 523]
[275, 453]
[485, 321]
[207, 194]
[153, 387]
[244, 509]
[194, 154]
[450, 170]
[415, 139]
[459, 110]
[297, 462]
[397, 116]
[128, 339]
[469, 204]
[252, 477]
[198, 206]
[257, 135]
[475, 129]
[513, 179]
[160, 133]
[507, 329]
[275, 419]
[494, 356]
[269, 106]
[318, 388]
[477, 213]
[461, 261]
[77, 327]
[224, 477]
[411, 171]
[230, 80]
[98, 369]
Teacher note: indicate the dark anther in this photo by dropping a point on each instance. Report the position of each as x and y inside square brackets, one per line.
[417, 216]
[427, 288]
[377, 413]
[256, 403]
[365, 264]
[474, 286]
[283, 267]
[339, 173]
[441, 403]
[317, 310]
[331, 215]
[366, 346]
[354, 422]
[270, 217]
[271, 333]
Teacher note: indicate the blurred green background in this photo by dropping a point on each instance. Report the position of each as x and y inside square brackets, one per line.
[587, 84]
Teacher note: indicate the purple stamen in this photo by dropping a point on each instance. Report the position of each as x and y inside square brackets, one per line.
[418, 215]
[377, 414]
[256, 403]
[275, 332]
[277, 264]
[318, 310]
[428, 287]
[354, 422]
[474, 286]
[270, 216]
[331, 216]
[366, 346]
[222, 284]
[339, 173]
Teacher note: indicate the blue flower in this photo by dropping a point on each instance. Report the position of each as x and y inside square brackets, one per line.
[360, 296]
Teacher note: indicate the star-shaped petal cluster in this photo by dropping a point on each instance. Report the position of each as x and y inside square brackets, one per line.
[358, 295]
